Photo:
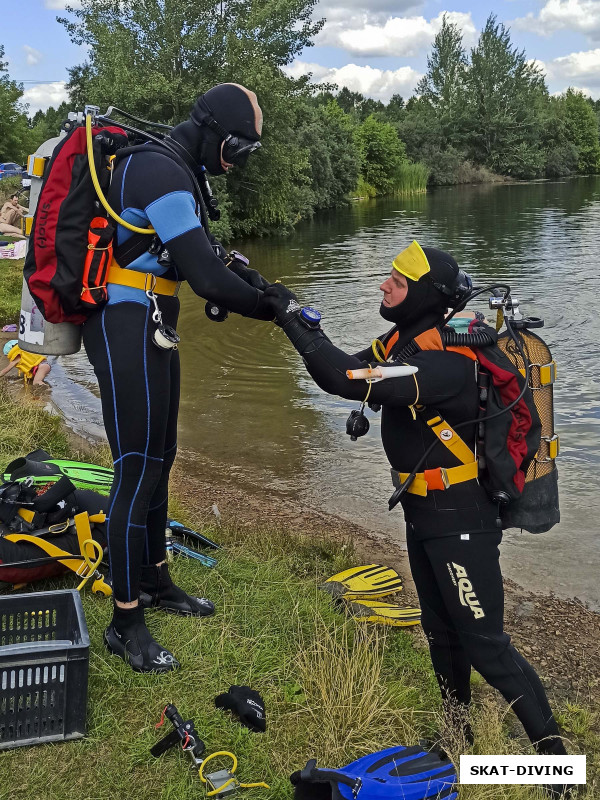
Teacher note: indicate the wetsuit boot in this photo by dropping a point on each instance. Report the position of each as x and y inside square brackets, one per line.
[553, 746]
[157, 590]
[128, 637]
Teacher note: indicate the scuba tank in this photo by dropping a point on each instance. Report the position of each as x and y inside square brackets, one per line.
[37, 335]
[537, 509]
[516, 442]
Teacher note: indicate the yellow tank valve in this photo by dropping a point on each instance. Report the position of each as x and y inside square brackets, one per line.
[26, 225]
[36, 166]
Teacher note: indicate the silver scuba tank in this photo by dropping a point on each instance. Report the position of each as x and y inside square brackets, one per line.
[37, 335]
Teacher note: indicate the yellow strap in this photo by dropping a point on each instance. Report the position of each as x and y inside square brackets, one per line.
[141, 280]
[450, 439]
[232, 780]
[27, 514]
[84, 532]
[51, 549]
[466, 472]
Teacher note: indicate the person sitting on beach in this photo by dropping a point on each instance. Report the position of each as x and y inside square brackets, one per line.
[33, 367]
[10, 217]
[453, 530]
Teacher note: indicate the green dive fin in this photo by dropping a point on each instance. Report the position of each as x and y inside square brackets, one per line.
[371, 581]
[384, 613]
[84, 476]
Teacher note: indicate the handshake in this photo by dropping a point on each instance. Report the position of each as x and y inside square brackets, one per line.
[277, 303]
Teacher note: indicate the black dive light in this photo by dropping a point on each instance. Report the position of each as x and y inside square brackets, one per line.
[217, 313]
[184, 734]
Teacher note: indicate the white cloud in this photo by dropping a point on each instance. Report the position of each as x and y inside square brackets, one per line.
[33, 56]
[583, 66]
[380, 84]
[397, 36]
[580, 16]
[44, 95]
[59, 5]
[377, 9]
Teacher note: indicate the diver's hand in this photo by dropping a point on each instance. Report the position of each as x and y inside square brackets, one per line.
[283, 302]
[262, 310]
[239, 264]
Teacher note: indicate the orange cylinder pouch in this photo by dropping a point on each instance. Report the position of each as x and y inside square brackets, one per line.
[97, 262]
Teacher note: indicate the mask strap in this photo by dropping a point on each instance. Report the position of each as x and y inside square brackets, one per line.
[210, 121]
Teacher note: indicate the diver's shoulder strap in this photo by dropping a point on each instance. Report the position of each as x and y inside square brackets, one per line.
[448, 436]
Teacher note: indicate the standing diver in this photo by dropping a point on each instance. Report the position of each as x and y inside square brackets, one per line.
[452, 527]
[133, 355]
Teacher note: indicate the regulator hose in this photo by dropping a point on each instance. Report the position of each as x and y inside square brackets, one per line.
[449, 339]
[479, 339]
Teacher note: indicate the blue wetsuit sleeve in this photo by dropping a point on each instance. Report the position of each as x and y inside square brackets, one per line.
[169, 204]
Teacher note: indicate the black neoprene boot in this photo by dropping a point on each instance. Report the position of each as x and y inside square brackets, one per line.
[128, 637]
[554, 746]
[157, 590]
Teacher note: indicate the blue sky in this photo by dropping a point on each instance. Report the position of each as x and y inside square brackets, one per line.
[379, 51]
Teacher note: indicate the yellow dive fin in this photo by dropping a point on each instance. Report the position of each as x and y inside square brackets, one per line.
[384, 613]
[370, 581]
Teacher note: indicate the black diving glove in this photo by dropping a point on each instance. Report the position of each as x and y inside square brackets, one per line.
[239, 264]
[247, 705]
[283, 303]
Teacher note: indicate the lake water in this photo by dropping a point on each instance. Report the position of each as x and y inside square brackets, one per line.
[249, 410]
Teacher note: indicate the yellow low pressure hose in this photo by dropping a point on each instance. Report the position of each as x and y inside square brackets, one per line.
[233, 779]
[95, 181]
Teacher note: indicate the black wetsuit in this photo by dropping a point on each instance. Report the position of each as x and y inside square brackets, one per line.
[452, 535]
[139, 383]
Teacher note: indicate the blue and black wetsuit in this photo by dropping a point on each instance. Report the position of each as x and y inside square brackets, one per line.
[139, 383]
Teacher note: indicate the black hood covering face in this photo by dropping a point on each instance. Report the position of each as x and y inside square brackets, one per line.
[232, 107]
[424, 305]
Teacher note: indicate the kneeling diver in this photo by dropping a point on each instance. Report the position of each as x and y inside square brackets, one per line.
[452, 528]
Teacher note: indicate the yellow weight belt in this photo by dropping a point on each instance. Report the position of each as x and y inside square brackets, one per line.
[141, 280]
[440, 478]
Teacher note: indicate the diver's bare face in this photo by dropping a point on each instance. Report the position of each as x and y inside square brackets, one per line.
[394, 289]
[224, 164]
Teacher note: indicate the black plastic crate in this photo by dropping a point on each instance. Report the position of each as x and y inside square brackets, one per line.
[44, 662]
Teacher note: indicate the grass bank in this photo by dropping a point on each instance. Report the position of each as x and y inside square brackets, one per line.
[11, 282]
[334, 689]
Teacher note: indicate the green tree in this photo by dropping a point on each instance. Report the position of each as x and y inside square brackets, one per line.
[154, 58]
[443, 85]
[505, 98]
[357, 105]
[395, 109]
[47, 124]
[582, 130]
[381, 153]
[561, 154]
[327, 134]
[14, 132]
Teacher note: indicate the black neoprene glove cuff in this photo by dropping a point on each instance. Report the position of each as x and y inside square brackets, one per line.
[299, 334]
[262, 309]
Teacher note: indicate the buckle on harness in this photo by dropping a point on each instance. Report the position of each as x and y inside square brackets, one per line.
[437, 478]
